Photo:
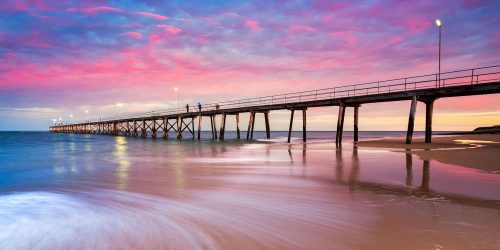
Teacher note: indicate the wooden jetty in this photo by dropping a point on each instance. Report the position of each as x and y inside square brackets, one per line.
[425, 88]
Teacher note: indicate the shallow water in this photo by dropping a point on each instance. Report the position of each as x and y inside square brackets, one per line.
[60, 191]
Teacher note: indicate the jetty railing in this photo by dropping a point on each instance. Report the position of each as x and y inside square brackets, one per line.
[429, 81]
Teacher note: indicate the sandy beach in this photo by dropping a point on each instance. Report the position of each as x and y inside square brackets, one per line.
[479, 151]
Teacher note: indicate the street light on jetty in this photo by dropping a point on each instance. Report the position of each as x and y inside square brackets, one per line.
[439, 24]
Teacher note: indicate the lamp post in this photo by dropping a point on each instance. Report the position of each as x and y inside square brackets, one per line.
[177, 90]
[439, 24]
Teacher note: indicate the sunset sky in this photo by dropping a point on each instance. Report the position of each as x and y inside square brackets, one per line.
[66, 57]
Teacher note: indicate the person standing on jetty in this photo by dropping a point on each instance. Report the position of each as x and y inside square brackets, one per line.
[199, 106]
[187, 108]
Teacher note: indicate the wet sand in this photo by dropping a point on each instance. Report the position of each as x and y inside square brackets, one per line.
[479, 151]
[102, 192]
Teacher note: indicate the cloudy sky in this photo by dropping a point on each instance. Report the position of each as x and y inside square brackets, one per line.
[84, 57]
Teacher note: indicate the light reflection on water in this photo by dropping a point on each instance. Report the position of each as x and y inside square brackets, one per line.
[142, 193]
[121, 157]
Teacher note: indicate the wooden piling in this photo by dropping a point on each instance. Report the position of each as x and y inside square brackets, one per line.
[253, 125]
[222, 126]
[180, 120]
[304, 125]
[238, 126]
[266, 120]
[153, 129]
[411, 120]
[340, 125]
[165, 128]
[199, 126]
[291, 124]
[429, 106]
[250, 122]
[212, 126]
[215, 126]
[143, 130]
[356, 119]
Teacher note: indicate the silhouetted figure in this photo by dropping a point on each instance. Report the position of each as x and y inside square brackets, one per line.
[199, 106]
[217, 106]
[187, 108]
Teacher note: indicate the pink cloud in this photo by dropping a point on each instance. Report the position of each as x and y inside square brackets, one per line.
[152, 15]
[301, 29]
[94, 10]
[21, 6]
[415, 26]
[170, 29]
[347, 38]
[253, 25]
[133, 34]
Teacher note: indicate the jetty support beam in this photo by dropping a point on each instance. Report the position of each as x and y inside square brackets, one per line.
[268, 130]
[340, 125]
[291, 124]
[429, 106]
[238, 125]
[356, 121]
[222, 126]
[411, 120]
[199, 126]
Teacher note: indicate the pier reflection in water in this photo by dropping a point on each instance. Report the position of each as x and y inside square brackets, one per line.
[233, 195]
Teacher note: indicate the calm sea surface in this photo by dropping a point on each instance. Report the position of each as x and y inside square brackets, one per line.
[69, 191]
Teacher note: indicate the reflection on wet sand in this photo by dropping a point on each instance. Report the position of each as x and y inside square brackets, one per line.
[424, 190]
[212, 195]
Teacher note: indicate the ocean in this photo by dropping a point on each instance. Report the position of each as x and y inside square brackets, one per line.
[77, 191]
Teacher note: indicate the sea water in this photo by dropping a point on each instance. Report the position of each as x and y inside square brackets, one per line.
[75, 191]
